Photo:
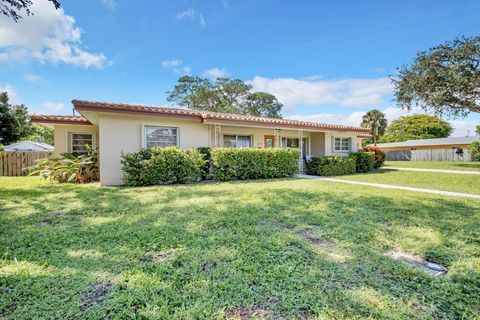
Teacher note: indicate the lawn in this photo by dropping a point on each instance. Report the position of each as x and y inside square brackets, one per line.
[290, 248]
[430, 180]
[447, 165]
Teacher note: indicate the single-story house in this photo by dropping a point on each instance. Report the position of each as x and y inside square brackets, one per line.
[440, 149]
[28, 146]
[121, 128]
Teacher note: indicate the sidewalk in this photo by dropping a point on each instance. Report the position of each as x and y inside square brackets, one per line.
[432, 170]
[391, 186]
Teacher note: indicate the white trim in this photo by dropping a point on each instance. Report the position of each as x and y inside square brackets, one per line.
[70, 138]
[145, 126]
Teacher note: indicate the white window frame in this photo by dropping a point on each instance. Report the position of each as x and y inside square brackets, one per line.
[144, 133]
[70, 139]
[236, 139]
[341, 150]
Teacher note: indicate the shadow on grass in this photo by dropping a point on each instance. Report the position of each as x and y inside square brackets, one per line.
[223, 257]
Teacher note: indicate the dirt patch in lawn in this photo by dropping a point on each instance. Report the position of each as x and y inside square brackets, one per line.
[431, 268]
[46, 222]
[95, 295]
[255, 312]
[158, 256]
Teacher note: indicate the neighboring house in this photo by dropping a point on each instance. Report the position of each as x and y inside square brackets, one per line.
[28, 146]
[440, 149]
[121, 128]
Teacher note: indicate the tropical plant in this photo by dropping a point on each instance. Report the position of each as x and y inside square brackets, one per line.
[376, 122]
[444, 79]
[379, 155]
[417, 126]
[69, 168]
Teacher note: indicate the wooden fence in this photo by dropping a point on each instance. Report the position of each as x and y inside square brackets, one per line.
[13, 164]
[429, 155]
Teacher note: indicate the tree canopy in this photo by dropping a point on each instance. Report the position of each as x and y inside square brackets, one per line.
[13, 8]
[375, 121]
[14, 121]
[417, 126]
[445, 79]
[224, 95]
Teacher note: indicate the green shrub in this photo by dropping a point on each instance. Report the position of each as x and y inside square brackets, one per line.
[474, 149]
[161, 166]
[207, 156]
[365, 161]
[379, 155]
[331, 166]
[251, 163]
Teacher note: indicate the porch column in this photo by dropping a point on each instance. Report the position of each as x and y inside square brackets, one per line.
[300, 144]
[217, 135]
[276, 138]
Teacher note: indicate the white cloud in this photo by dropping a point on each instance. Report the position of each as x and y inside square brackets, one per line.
[49, 35]
[109, 4]
[347, 92]
[54, 106]
[215, 73]
[177, 66]
[193, 15]
[32, 78]
[12, 94]
[463, 127]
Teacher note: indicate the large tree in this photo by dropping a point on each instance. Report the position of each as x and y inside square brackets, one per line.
[14, 122]
[40, 133]
[376, 122]
[417, 126]
[224, 95]
[445, 79]
[13, 8]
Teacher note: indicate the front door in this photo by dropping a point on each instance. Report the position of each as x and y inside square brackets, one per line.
[269, 142]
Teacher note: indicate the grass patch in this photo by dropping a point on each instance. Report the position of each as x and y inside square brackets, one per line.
[274, 249]
[428, 180]
[446, 165]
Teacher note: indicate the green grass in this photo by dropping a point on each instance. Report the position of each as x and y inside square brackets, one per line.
[447, 165]
[428, 180]
[280, 249]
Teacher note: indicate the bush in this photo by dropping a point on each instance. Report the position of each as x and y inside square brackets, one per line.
[207, 156]
[251, 163]
[331, 166]
[68, 168]
[379, 155]
[365, 161]
[161, 166]
[474, 149]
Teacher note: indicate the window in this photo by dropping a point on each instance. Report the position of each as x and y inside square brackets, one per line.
[160, 137]
[342, 144]
[79, 142]
[236, 141]
[290, 142]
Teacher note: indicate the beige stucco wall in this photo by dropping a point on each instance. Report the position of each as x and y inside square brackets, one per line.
[318, 143]
[123, 133]
[60, 136]
[329, 147]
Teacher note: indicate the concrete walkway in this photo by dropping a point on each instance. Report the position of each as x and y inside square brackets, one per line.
[391, 186]
[432, 170]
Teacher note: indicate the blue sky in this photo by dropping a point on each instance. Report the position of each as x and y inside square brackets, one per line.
[327, 61]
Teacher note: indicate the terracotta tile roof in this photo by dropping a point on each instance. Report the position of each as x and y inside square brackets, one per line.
[44, 118]
[207, 116]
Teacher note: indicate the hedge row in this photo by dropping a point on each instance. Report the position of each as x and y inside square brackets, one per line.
[251, 163]
[174, 165]
[331, 166]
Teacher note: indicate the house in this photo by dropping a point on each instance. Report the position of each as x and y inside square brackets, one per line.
[121, 128]
[28, 146]
[440, 149]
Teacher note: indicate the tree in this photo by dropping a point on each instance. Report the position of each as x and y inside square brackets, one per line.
[417, 126]
[474, 149]
[223, 95]
[39, 133]
[477, 129]
[375, 121]
[444, 79]
[13, 8]
[14, 122]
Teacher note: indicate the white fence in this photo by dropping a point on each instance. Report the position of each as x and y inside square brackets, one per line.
[430, 155]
